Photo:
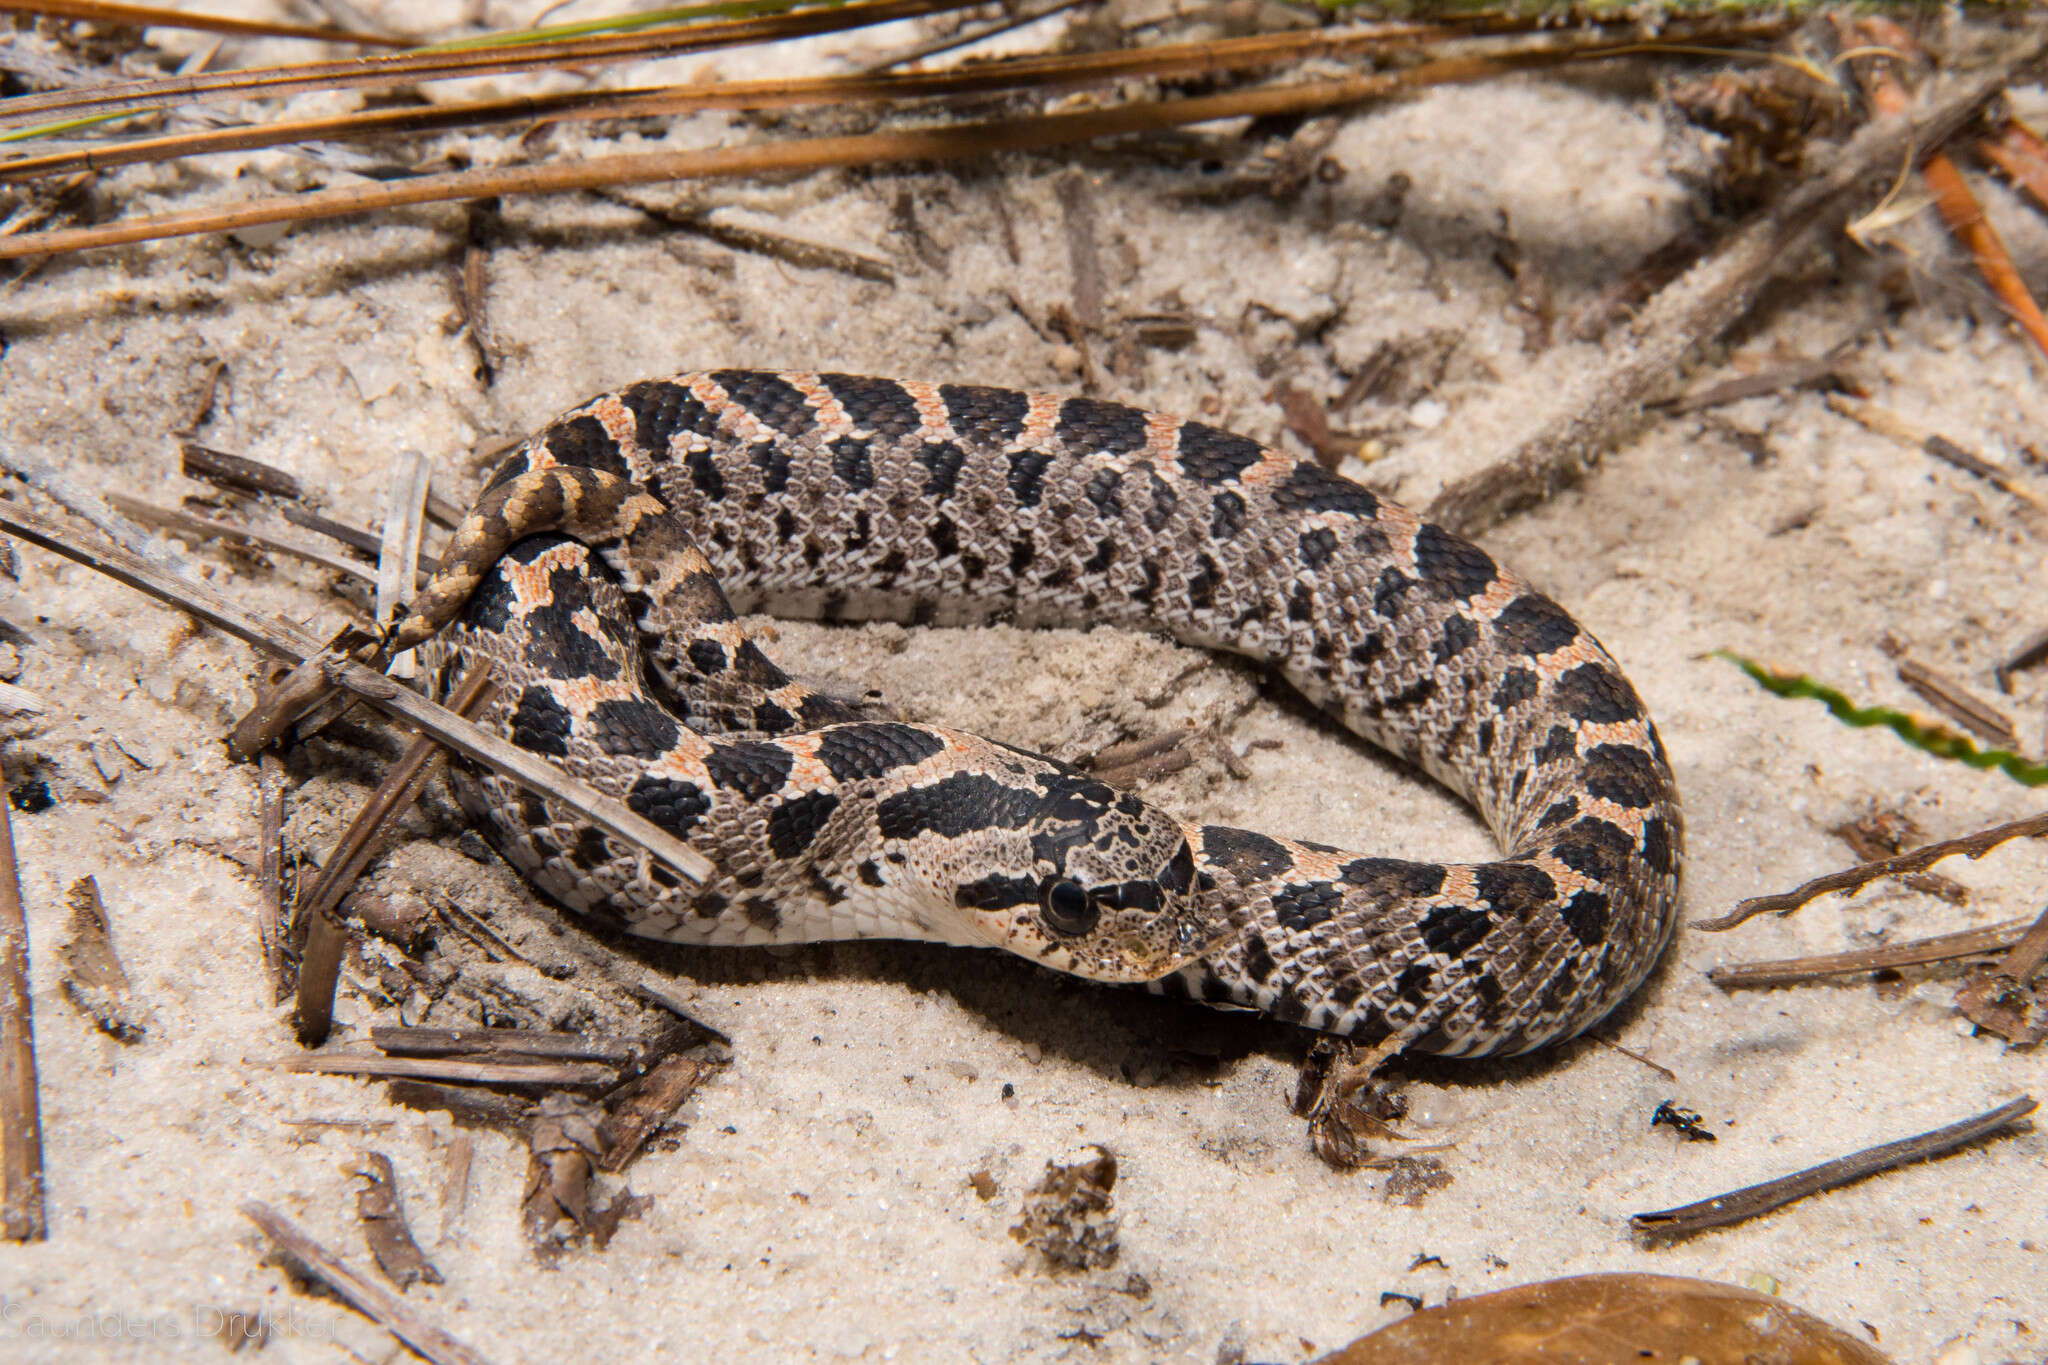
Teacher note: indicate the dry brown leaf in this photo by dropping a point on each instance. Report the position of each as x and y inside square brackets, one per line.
[1608, 1319]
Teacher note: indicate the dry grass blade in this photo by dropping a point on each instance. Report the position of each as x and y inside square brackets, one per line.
[21, 1123]
[373, 1302]
[367, 685]
[207, 528]
[575, 1075]
[965, 141]
[1854, 878]
[150, 16]
[1038, 71]
[134, 97]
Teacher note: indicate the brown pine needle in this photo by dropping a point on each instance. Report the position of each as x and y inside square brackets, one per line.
[2019, 151]
[147, 16]
[951, 143]
[405, 68]
[1952, 194]
[1042, 71]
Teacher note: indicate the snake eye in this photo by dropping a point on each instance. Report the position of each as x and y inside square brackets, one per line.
[1066, 907]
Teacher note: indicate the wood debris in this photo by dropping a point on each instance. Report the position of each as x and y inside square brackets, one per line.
[93, 978]
[1069, 1217]
[21, 1122]
[379, 1305]
[384, 1227]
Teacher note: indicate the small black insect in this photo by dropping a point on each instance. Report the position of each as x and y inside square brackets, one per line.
[1684, 1120]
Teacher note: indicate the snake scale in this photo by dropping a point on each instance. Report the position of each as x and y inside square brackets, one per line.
[589, 573]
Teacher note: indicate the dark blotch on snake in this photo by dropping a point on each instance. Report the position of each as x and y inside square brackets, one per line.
[705, 476]
[1459, 635]
[1595, 848]
[660, 410]
[1457, 569]
[851, 463]
[1317, 546]
[749, 767]
[1624, 775]
[773, 400]
[1245, 854]
[675, 805]
[1516, 686]
[1089, 425]
[632, 726]
[955, 807]
[1226, 515]
[794, 823]
[1516, 890]
[707, 657]
[1311, 488]
[1027, 475]
[1658, 851]
[1558, 745]
[540, 724]
[942, 461]
[993, 417]
[490, 607]
[882, 406]
[1454, 930]
[852, 753]
[1586, 914]
[774, 463]
[1211, 456]
[1104, 489]
[1597, 694]
[1532, 624]
[583, 441]
[1560, 812]
[996, 892]
[1303, 907]
[1388, 880]
[771, 719]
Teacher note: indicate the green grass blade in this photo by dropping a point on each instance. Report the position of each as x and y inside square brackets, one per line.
[1921, 734]
[680, 14]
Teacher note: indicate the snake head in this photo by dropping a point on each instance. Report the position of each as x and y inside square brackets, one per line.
[1094, 882]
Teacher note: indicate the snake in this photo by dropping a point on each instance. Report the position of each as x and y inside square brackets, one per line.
[600, 575]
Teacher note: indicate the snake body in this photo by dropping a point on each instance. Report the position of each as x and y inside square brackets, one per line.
[590, 570]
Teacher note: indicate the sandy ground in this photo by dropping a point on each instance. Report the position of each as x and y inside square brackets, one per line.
[818, 1205]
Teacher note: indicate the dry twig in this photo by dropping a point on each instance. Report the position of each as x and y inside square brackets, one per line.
[320, 967]
[1855, 878]
[1789, 971]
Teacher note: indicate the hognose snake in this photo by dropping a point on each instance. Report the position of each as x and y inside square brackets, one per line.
[589, 572]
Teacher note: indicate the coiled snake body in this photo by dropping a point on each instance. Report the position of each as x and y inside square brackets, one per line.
[589, 574]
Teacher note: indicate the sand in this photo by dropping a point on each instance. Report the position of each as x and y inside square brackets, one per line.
[818, 1206]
